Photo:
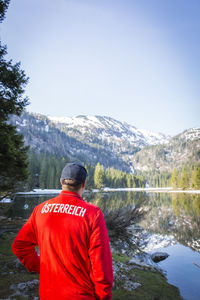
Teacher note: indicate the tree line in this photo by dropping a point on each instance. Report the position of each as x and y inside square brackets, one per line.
[187, 177]
[45, 170]
[156, 178]
[110, 177]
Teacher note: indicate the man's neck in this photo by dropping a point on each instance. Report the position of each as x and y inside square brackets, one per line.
[79, 192]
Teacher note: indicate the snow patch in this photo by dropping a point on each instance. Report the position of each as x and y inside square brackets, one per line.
[112, 128]
[40, 192]
[6, 200]
[158, 241]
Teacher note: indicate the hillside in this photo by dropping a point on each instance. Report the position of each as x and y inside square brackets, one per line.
[90, 139]
[93, 139]
[43, 137]
[181, 149]
[107, 131]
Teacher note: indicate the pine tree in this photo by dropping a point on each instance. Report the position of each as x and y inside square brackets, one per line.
[51, 176]
[90, 179]
[3, 8]
[129, 181]
[196, 178]
[31, 178]
[13, 153]
[174, 178]
[43, 173]
[184, 180]
[99, 176]
[60, 163]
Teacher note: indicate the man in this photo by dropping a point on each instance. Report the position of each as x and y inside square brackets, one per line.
[75, 259]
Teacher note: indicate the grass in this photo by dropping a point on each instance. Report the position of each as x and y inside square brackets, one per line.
[120, 257]
[154, 285]
[9, 273]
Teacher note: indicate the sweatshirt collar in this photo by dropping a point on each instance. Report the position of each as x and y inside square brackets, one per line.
[68, 193]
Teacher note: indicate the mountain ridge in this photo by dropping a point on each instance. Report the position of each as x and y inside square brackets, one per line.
[93, 139]
[181, 149]
[106, 123]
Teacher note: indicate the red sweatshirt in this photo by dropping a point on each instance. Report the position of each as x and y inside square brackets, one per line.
[75, 261]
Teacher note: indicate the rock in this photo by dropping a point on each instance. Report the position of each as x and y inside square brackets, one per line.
[158, 256]
[25, 286]
[33, 283]
[133, 277]
[19, 265]
[21, 286]
[138, 262]
[142, 260]
[129, 285]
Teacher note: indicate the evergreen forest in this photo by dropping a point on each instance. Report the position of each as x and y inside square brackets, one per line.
[45, 170]
[186, 177]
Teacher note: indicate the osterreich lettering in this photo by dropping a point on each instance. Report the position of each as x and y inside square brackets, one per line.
[63, 208]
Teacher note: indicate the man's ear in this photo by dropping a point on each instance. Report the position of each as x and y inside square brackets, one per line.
[83, 185]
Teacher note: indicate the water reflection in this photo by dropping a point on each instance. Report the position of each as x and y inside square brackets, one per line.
[175, 214]
[190, 205]
[181, 271]
[23, 205]
[110, 201]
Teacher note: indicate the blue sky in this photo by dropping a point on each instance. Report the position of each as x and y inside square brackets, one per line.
[136, 61]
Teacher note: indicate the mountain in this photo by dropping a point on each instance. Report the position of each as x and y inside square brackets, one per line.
[119, 138]
[90, 139]
[98, 129]
[180, 149]
[93, 139]
[43, 136]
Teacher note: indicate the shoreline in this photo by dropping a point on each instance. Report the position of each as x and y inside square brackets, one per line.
[106, 189]
[160, 190]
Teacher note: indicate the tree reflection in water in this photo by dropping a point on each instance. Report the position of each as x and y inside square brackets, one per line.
[175, 214]
[121, 210]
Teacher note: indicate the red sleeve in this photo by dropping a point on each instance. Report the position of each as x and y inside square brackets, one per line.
[24, 246]
[101, 259]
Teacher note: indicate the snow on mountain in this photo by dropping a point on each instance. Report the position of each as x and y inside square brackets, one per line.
[107, 128]
[190, 134]
[180, 149]
[153, 138]
[93, 139]
[42, 136]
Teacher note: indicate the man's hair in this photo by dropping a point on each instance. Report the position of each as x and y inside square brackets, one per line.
[71, 185]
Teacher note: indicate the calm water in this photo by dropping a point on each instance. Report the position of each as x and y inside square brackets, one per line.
[181, 271]
[176, 215]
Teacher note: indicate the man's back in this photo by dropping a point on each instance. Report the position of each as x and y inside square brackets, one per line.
[75, 257]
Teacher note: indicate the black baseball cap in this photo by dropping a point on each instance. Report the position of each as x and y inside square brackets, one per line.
[74, 171]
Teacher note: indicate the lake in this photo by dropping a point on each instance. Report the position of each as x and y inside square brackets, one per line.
[171, 223]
